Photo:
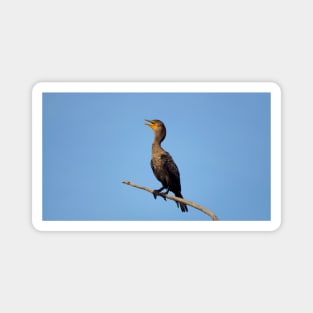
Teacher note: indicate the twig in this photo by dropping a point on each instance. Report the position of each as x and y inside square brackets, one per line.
[190, 203]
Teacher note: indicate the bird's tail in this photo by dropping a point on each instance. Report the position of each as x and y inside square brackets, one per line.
[180, 205]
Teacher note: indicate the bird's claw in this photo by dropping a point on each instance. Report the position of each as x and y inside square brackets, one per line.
[157, 193]
[162, 195]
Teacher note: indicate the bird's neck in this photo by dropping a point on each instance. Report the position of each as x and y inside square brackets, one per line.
[156, 146]
[158, 138]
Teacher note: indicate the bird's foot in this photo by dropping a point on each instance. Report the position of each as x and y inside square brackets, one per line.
[155, 194]
[158, 193]
[163, 196]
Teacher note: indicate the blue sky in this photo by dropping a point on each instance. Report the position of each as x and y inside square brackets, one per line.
[94, 141]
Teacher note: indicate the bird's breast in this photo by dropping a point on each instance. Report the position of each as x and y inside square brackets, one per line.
[157, 162]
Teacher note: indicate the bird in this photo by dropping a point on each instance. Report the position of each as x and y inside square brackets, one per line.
[163, 165]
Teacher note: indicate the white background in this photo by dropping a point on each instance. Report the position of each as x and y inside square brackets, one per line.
[155, 41]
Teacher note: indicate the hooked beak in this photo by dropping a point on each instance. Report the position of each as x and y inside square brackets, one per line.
[150, 123]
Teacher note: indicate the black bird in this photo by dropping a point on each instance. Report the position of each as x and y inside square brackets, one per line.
[163, 165]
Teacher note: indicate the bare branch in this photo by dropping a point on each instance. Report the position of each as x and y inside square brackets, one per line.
[190, 203]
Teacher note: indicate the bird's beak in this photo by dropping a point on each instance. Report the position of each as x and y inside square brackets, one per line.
[150, 123]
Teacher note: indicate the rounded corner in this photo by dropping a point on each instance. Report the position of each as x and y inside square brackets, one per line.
[276, 225]
[37, 87]
[37, 226]
[276, 87]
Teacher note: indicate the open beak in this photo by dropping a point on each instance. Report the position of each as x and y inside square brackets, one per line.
[150, 123]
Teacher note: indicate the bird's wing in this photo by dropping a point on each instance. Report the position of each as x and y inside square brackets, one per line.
[172, 170]
[153, 169]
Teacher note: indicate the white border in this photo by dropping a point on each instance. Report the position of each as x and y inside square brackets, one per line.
[42, 87]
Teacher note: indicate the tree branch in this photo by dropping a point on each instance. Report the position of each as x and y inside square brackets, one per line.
[190, 203]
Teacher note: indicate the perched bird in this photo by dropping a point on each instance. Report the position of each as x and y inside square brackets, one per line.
[163, 165]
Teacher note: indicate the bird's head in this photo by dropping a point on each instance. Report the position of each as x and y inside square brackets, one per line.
[158, 127]
[155, 124]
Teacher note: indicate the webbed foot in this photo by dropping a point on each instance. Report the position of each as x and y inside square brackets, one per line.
[158, 193]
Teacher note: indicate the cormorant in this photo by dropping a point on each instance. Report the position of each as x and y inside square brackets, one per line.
[163, 165]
